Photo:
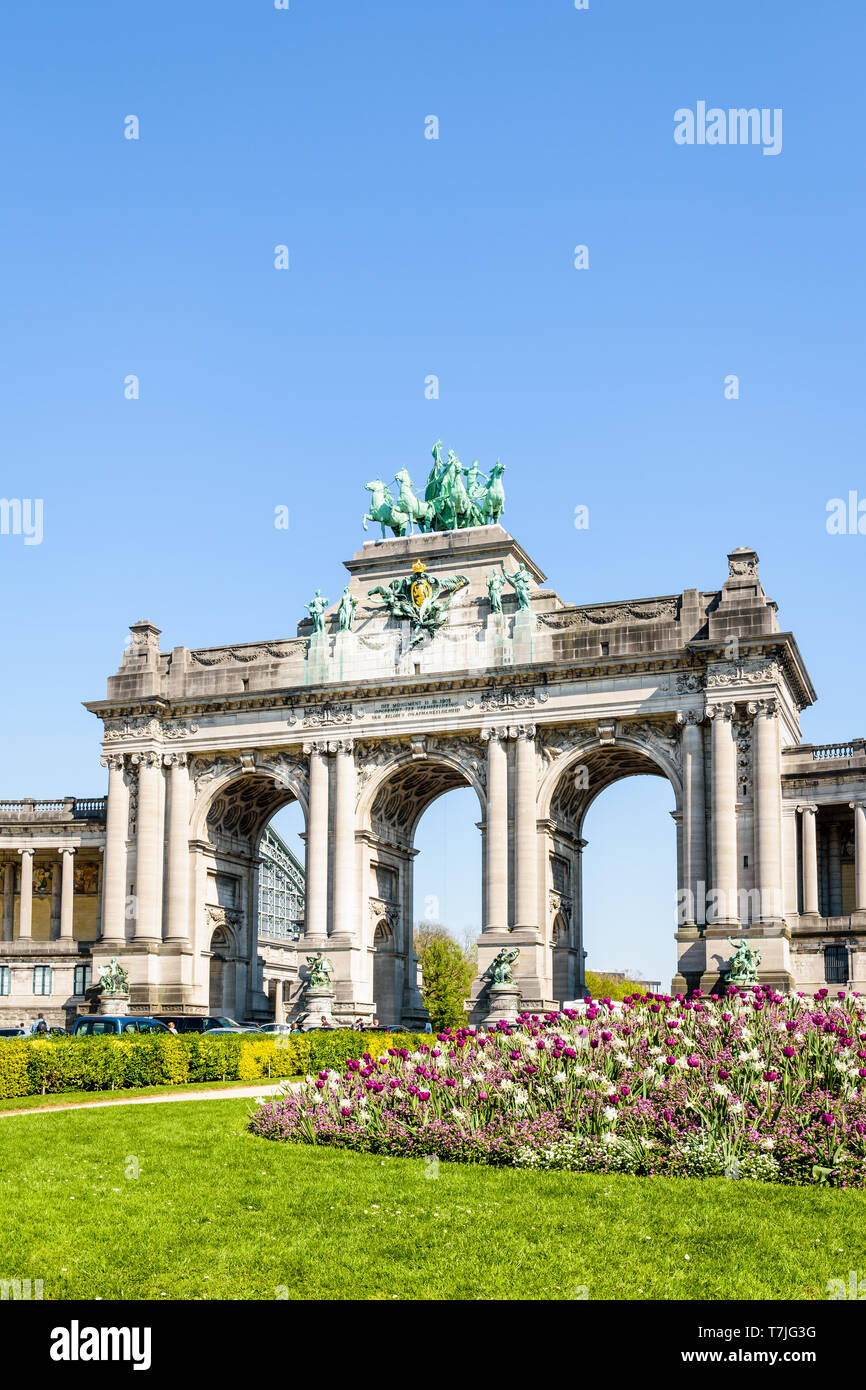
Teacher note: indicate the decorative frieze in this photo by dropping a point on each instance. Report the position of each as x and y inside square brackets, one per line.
[389, 912]
[508, 697]
[323, 716]
[740, 673]
[242, 655]
[135, 727]
[643, 611]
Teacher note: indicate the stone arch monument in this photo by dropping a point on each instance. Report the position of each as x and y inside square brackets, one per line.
[448, 662]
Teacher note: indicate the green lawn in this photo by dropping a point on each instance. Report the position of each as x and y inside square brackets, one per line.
[216, 1214]
[94, 1097]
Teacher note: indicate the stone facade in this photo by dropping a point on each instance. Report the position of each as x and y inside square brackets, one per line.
[538, 709]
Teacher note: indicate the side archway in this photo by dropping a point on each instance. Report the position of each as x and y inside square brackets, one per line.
[233, 802]
[581, 767]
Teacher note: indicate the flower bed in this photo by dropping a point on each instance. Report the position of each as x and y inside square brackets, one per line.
[755, 1084]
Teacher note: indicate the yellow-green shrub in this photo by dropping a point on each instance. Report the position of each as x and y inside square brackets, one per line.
[33, 1066]
[14, 1080]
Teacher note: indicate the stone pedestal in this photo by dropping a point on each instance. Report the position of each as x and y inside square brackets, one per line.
[504, 1001]
[318, 1004]
[113, 1005]
[316, 672]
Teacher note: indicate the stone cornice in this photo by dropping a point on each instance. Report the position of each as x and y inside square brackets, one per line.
[302, 698]
[782, 645]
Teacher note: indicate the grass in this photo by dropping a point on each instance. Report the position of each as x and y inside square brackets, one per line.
[217, 1214]
[94, 1097]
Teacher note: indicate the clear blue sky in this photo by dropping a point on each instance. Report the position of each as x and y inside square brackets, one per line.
[411, 257]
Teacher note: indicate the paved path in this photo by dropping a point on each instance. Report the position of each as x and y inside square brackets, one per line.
[263, 1088]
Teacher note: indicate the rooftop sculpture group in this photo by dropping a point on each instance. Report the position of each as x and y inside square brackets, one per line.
[454, 497]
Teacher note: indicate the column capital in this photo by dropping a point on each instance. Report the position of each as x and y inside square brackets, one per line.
[316, 745]
[151, 758]
[808, 808]
[27, 849]
[67, 849]
[175, 759]
[720, 712]
[767, 707]
[690, 718]
[341, 745]
[859, 804]
[496, 733]
[115, 762]
[522, 732]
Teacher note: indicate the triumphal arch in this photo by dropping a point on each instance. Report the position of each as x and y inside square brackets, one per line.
[447, 662]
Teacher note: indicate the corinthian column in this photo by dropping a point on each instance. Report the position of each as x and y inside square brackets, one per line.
[767, 774]
[67, 889]
[316, 905]
[25, 909]
[808, 813]
[724, 809]
[148, 866]
[177, 865]
[346, 911]
[526, 830]
[859, 808]
[694, 819]
[114, 867]
[496, 832]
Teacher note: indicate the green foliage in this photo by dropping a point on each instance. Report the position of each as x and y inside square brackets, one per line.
[51, 1066]
[216, 1214]
[602, 987]
[447, 977]
[333, 1049]
[14, 1080]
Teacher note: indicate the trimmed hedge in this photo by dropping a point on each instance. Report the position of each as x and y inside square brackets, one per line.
[32, 1066]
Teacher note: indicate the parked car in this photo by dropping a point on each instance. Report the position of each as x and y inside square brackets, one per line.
[235, 1028]
[12, 1033]
[275, 1028]
[198, 1023]
[113, 1027]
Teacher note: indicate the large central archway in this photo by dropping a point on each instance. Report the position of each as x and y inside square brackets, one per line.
[389, 812]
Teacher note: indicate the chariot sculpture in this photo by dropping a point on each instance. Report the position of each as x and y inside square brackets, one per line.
[454, 497]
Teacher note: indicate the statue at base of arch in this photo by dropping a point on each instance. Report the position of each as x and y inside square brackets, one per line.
[742, 968]
[500, 970]
[321, 971]
[114, 978]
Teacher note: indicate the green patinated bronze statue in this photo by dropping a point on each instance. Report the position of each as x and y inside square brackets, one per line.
[346, 611]
[114, 978]
[316, 609]
[500, 969]
[742, 968]
[454, 497]
[496, 582]
[520, 581]
[421, 598]
[321, 971]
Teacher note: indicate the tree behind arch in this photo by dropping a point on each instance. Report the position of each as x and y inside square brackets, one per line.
[447, 975]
